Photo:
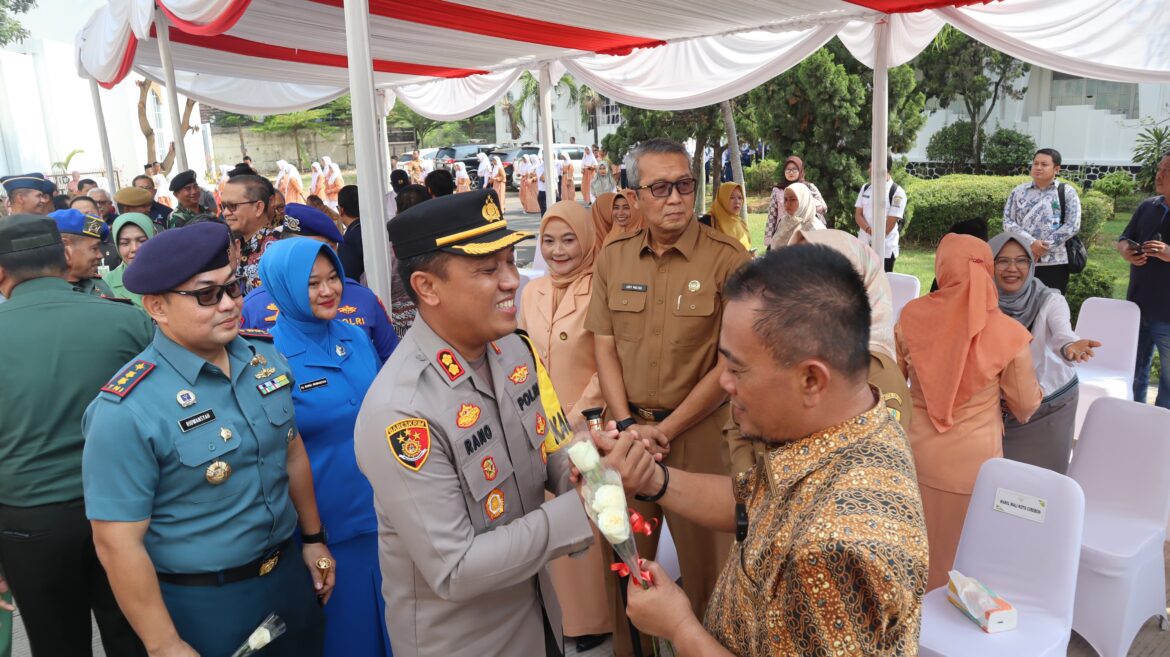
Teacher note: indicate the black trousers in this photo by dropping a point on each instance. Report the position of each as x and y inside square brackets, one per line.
[542, 201]
[1054, 276]
[47, 555]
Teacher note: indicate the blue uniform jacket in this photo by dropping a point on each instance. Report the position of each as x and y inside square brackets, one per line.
[329, 392]
[359, 306]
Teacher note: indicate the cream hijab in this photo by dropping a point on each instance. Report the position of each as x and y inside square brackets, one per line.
[872, 272]
[581, 222]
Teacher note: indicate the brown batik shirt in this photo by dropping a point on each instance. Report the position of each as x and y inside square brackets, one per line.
[835, 557]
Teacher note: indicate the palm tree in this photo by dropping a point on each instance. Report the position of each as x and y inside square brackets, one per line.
[514, 112]
[590, 103]
[530, 94]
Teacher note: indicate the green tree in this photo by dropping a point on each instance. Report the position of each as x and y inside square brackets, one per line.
[821, 111]
[404, 117]
[958, 68]
[1148, 149]
[339, 110]
[514, 114]
[530, 94]
[11, 31]
[295, 123]
[590, 103]
[239, 122]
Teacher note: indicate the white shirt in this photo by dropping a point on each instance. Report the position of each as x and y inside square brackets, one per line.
[1051, 331]
[895, 209]
[540, 177]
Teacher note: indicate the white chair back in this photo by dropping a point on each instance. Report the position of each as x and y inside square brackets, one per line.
[538, 263]
[1115, 324]
[904, 288]
[1122, 461]
[1031, 564]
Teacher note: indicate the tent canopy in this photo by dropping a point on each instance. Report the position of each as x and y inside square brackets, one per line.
[448, 60]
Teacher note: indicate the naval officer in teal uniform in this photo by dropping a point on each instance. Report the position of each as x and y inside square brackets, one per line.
[194, 474]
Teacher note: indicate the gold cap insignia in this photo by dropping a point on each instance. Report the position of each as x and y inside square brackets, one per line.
[491, 211]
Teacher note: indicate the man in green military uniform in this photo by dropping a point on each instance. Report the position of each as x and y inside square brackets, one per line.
[187, 191]
[194, 472]
[58, 349]
[83, 234]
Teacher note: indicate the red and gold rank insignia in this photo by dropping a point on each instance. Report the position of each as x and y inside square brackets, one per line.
[450, 364]
[541, 425]
[490, 471]
[494, 504]
[468, 416]
[275, 313]
[495, 348]
[410, 441]
[347, 310]
[124, 381]
[519, 375]
[543, 453]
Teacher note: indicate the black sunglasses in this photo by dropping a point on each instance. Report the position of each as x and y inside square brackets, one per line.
[211, 295]
[662, 188]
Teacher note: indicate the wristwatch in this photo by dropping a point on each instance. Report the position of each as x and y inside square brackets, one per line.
[319, 537]
[622, 425]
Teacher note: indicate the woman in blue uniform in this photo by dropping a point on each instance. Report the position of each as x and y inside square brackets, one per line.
[334, 364]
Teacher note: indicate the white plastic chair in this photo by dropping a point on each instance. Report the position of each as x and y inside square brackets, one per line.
[905, 288]
[1114, 323]
[1122, 463]
[1032, 565]
[667, 556]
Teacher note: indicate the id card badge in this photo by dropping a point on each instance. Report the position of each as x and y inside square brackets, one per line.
[103, 270]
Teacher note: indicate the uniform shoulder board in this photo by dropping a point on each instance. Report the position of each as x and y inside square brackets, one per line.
[119, 300]
[256, 334]
[125, 380]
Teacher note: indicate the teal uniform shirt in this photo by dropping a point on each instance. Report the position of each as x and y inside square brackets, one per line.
[57, 348]
[162, 422]
[93, 287]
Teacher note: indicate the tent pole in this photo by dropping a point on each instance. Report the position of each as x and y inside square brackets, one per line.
[164, 53]
[551, 180]
[383, 138]
[107, 158]
[881, 106]
[376, 248]
[734, 156]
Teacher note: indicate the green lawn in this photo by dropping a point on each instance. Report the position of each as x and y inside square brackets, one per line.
[919, 261]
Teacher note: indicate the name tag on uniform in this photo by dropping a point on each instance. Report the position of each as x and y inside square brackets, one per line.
[195, 421]
[319, 383]
[633, 287]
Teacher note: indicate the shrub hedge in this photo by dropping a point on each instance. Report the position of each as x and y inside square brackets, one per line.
[1094, 281]
[761, 176]
[1096, 209]
[936, 205]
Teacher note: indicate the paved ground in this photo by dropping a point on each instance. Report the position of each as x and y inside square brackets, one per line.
[1150, 642]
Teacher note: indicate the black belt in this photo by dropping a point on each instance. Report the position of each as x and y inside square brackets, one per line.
[650, 414]
[258, 568]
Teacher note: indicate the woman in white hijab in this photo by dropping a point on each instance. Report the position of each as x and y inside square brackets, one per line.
[333, 182]
[281, 174]
[588, 170]
[568, 187]
[317, 182]
[293, 187]
[462, 180]
[499, 178]
[528, 186]
[484, 171]
[800, 213]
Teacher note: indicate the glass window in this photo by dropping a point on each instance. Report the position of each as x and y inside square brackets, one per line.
[1116, 97]
[610, 114]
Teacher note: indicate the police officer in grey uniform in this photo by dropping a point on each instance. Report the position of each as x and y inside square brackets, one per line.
[194, 474]
[460, 440]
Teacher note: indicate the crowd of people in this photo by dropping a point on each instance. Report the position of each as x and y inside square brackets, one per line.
[243, 427]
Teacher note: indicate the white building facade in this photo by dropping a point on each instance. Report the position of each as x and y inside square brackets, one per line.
[1093, 123]
[568, 124]
[46, 111]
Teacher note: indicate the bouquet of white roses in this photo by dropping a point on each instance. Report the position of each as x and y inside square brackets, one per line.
[271, 628]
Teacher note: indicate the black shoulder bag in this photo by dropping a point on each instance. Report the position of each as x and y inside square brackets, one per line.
[1078, 255]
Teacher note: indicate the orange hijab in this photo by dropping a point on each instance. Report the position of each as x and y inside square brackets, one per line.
[575, 215]
[637, 220]
[959, 339]
[602, 218]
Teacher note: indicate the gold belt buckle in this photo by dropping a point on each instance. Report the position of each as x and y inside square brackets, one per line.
[646, 414]
[268, 564]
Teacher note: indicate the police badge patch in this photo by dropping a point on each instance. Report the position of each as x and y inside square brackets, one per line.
[468, 416]
[410, 441]
[494, 504]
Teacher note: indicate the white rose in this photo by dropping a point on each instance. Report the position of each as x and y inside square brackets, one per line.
[609, 496]
[614, 524]
[584, 455]
[259, 638]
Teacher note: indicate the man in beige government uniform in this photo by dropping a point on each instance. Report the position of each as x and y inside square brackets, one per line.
[459, 437]
[656, 310]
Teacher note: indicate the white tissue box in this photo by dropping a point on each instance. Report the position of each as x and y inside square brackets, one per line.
[999, 616]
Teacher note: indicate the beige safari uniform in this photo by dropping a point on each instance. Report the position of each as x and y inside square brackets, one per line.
[665, 313]
[459, 477]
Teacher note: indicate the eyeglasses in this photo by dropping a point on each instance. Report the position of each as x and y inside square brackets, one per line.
[662, 188]
[1019, 263]
[213, 294]
[231, 207]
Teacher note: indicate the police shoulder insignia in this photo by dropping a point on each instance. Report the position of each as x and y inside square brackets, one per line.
[124, 381]
[347, 310]
[450, 364]
[519, 375]
[495, 347]
[541, 425]
[468, 416]
[490, 471]
[255, 333]
[494, 504]
[410, 441]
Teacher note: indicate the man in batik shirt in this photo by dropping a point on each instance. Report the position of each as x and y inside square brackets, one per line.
[831, 551]
[248, 208]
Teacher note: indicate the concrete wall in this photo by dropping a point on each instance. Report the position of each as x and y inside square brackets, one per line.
[267, 148]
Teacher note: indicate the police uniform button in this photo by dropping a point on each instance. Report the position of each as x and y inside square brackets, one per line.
[218, 472]
[292, 433]
[564, 336]
[211, 447]
[625, 302]
[692, 306]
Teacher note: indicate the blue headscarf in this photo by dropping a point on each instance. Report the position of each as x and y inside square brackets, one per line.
[285, 269]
